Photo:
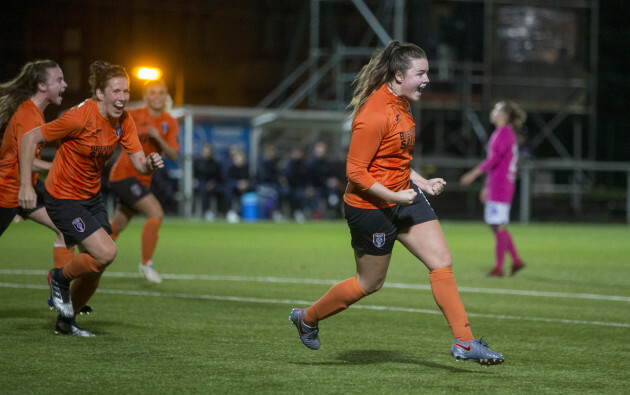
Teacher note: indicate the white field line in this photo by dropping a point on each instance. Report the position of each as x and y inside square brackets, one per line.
[285, 280]
[328, 282]
[304, 302]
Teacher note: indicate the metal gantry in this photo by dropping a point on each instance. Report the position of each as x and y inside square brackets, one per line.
[322, 80]
[560, 97]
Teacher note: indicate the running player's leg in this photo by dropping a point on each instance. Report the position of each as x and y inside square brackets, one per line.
[369, 278]
[97, 252]
[82, 289]
[120, 219]
[426, 242]
[151, 208]
[83, 223]
[133, 197]
[373, 237]
[339, 297]
[86, 268]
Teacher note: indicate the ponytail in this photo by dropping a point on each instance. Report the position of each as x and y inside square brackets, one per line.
[516, 115]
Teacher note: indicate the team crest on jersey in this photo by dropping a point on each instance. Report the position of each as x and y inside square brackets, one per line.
[118, 130]
[378, 239]
[136, 190]
[164, 127]
[78, 224]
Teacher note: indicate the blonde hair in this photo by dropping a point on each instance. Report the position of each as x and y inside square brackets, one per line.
[516, 115]
[395, 58]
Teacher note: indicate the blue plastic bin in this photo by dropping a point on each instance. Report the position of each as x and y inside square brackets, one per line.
[249, 207]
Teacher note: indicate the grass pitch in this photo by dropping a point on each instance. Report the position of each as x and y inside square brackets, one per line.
[219, 321]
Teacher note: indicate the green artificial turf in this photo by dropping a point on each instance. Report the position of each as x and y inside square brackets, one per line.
[219, 321]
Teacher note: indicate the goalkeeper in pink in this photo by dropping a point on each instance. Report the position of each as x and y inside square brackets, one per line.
[497, 194]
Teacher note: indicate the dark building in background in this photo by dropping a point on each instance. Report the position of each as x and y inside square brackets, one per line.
[225, 52]
[233, 53]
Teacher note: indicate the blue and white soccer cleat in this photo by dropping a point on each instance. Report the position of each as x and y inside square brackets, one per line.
[86, 310]
[308, 334]
[475, 350]
[68, 326]
[60, 293]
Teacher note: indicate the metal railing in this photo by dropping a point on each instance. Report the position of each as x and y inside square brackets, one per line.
[581, 169]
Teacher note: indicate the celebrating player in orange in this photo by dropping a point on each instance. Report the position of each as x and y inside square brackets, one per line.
[22, 104]
[157, 130]
[385, 202]
[87, 136]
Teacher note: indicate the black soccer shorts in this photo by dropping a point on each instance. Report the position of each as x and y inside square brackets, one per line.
[374, 231]
[129, 191]
[77, 219]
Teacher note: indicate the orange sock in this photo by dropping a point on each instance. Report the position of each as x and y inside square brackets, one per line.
[82, 264]
[447, 298]
[149, 238]
[115, 231]
[338, 298]
[82, 290]
[61, 255]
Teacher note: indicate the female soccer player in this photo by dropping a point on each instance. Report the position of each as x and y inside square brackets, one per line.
[22, 104]
[87, 135]
[157, 130]
[384, 200]
[497, 194]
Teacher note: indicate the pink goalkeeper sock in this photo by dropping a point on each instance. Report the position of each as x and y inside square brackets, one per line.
[509, 244]
[499, 249]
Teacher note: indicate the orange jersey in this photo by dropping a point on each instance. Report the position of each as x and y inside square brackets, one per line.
[27, 117]
[86, 141]
[167, 126]
[383, 136]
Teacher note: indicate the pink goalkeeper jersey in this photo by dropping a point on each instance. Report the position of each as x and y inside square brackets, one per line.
[501, 165]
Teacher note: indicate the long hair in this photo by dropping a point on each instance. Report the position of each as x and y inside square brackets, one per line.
[516, 115]
[395, 58]
[101, 72]
[22, 88]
